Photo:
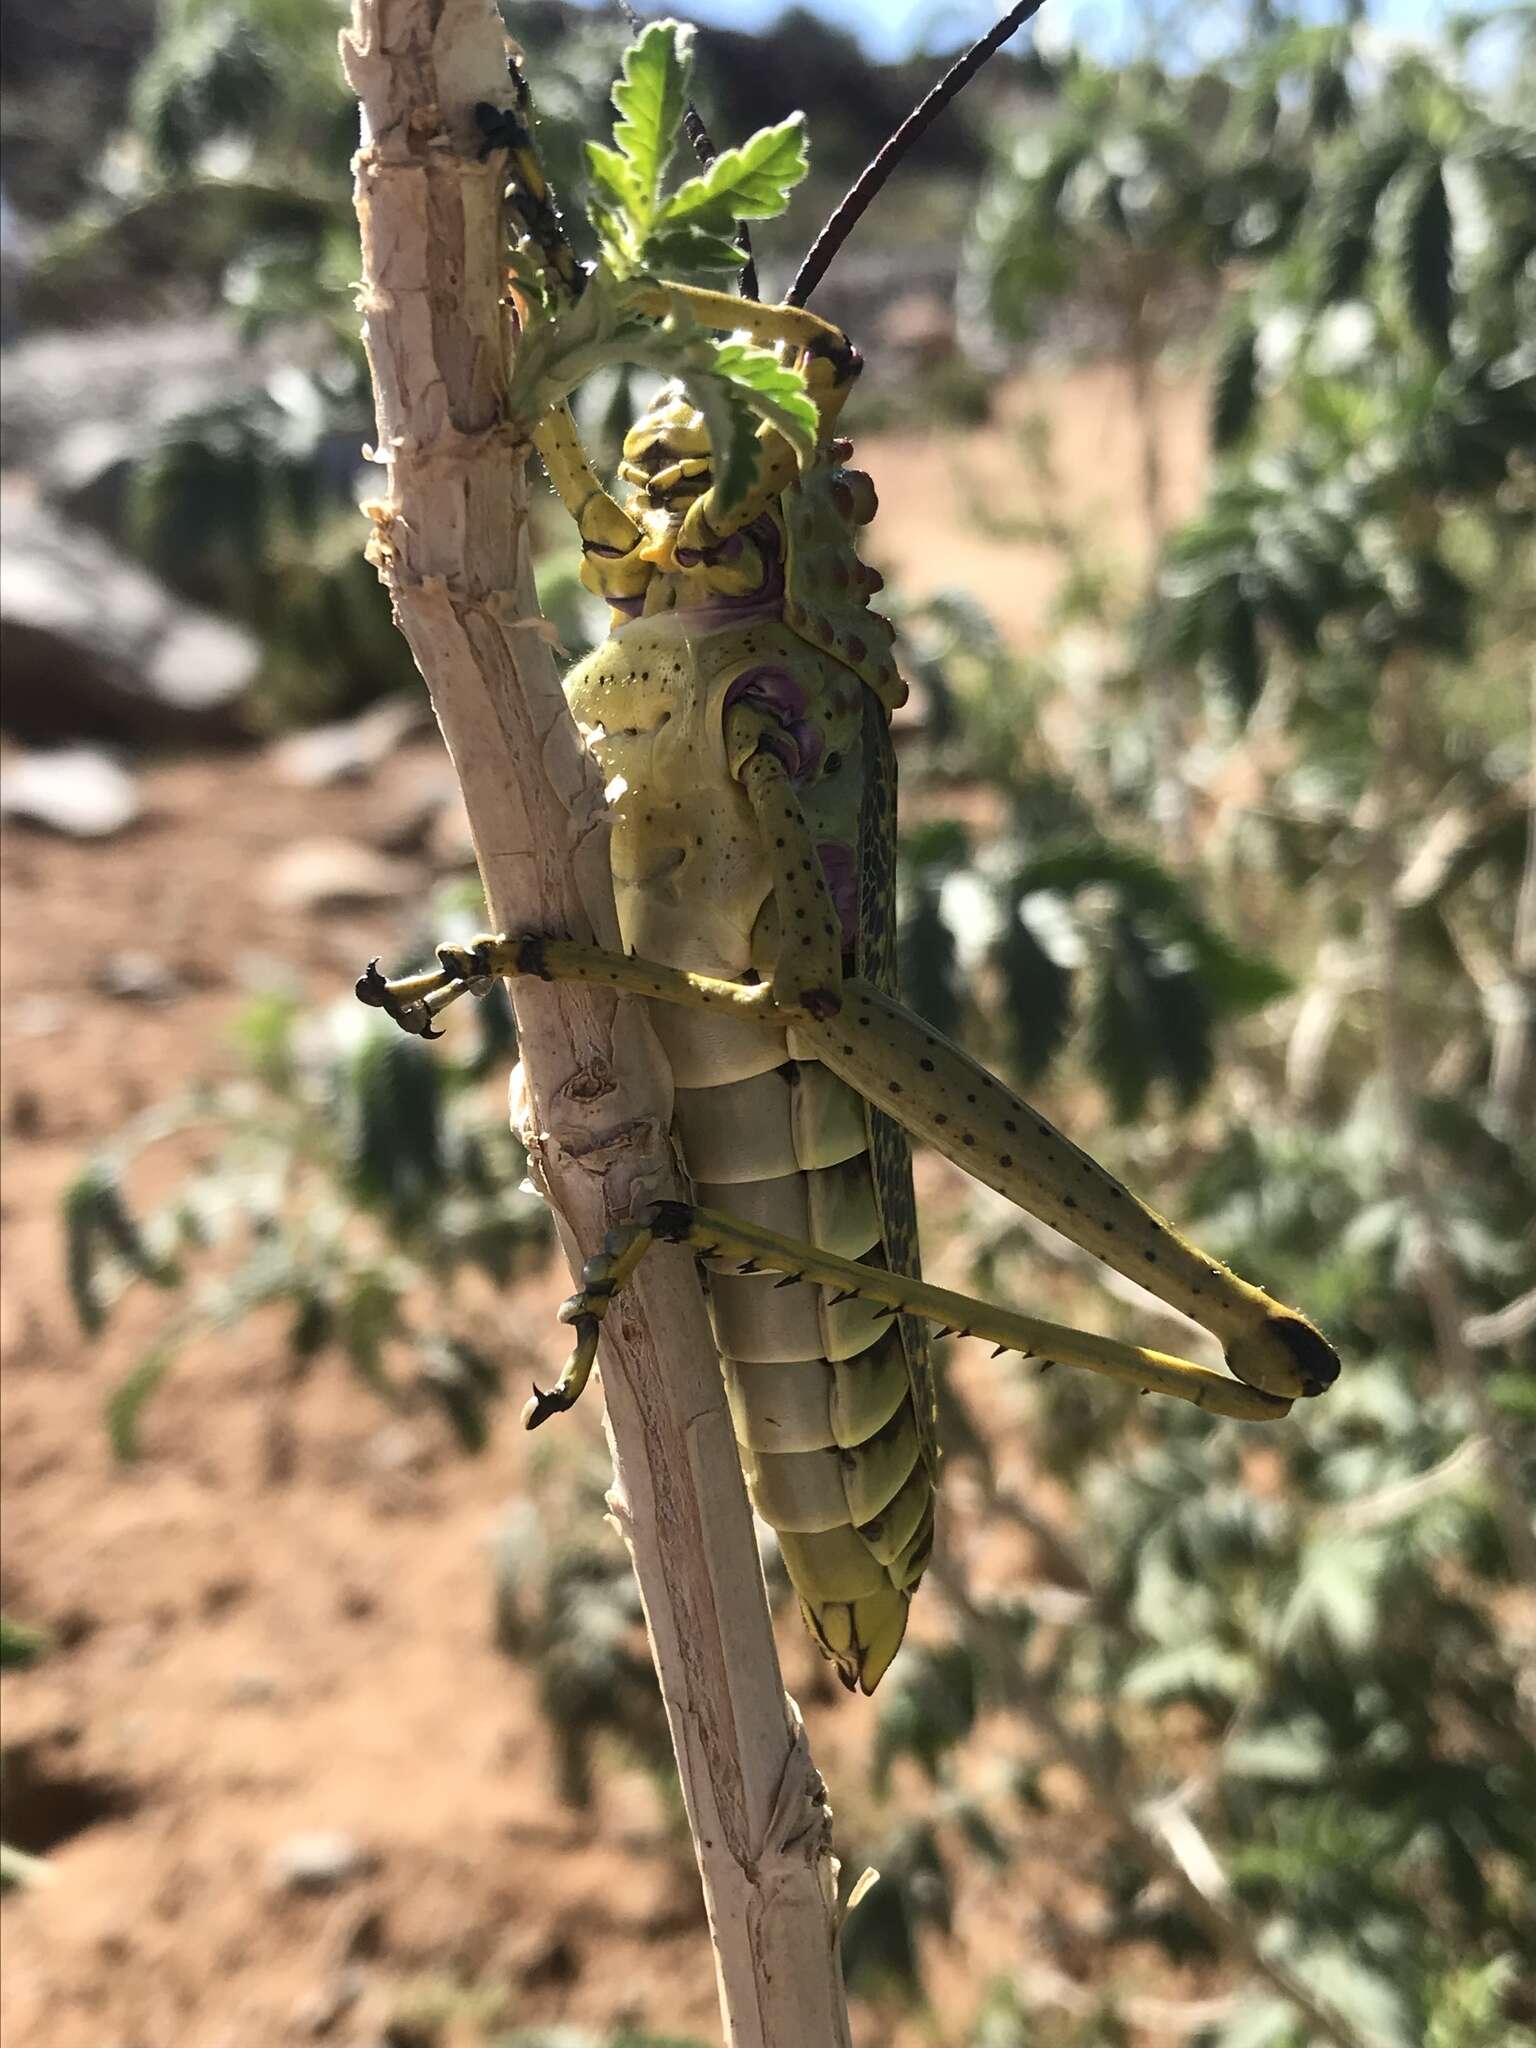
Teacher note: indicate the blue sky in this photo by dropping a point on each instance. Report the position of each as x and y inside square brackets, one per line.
[897, 28]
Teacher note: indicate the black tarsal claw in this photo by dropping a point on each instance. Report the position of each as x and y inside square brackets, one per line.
[372, 988]
[542, 1406]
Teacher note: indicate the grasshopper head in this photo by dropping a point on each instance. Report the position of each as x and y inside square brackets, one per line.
[667, 457]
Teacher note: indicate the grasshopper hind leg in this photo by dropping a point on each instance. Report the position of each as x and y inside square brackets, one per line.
[940, 1094]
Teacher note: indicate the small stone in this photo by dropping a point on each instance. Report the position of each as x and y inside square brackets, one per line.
[319, 1860]
[38, 1016]
[348, 750]
[317, 876]
[253, 1689]
[76, 791]
[397, 1448]
[135, 976]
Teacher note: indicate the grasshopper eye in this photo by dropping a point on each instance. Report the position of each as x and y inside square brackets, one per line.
[832, 763]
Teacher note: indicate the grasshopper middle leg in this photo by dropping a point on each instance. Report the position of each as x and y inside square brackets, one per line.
[747, 1248]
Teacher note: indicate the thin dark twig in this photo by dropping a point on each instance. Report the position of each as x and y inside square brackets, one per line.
[880, 167]
[704, 149]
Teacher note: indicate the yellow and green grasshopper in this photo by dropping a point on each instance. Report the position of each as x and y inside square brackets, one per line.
[740, 713]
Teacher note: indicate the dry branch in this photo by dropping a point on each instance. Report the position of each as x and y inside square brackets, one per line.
[451, 542]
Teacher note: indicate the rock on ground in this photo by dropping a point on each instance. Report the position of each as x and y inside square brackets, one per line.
[92, 647]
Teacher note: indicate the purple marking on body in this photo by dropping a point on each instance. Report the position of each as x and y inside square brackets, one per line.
[714, 611]
[840, 869]
[798, 741]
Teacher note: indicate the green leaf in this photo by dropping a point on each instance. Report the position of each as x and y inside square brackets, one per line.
[1037, 996]
[1235, 394]
[615, 174]
[370, 1315]
[775, 391]
[21, 1645]
[750, 183]
[1428, 260]
[126, 1403]
[690, 254]
[735, 385]
[1349, 219]
[651, 97]
[394, 1123]
[81, 1204]
[121, 1231]
[1149, 1021]
[926, 948]
[1234, 653]
[463, 1381]
[732, 428]
[928, 1709]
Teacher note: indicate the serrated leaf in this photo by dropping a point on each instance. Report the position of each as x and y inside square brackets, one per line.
[750, 183]
[775, 391]
[1118, 1050]
[1235, 392]
[1234, 653]
[463, 1381]
[394, 1124]
[732, 434]
[1148, 1021]
[735, 385]
[81, 1201]
[651, 96]
[1428, 260]
[1037, 997]
[687, 253]
[1349, 218]
[121, 1230]
[926, 949]
[929, 1707]
[126, 1403]
[615, 175]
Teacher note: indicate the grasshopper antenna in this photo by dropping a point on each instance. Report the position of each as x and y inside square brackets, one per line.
[704, 149]
[854, 202]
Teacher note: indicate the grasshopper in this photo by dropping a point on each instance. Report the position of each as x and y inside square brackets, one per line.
[740, 713]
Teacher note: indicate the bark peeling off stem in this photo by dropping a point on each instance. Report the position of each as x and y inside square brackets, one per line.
[450, 540]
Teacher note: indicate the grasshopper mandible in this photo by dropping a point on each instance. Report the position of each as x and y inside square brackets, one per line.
[740, 712]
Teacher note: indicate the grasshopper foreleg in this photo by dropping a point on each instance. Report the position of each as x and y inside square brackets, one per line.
[806, 985]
